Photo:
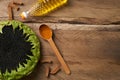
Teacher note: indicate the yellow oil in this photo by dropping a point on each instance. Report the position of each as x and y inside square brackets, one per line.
[43, 7]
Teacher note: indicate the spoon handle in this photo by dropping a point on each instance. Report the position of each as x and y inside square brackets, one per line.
[60, 58]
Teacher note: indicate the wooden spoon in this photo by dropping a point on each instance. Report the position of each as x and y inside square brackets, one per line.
[46, 33]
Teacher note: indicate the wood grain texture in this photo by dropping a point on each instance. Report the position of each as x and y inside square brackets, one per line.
[92, 54]
[91, 51]
[75, 12]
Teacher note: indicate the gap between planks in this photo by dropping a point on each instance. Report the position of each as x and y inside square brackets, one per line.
[60, 26]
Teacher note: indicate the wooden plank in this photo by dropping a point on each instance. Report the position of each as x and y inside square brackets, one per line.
[76, 11]
[92, 53]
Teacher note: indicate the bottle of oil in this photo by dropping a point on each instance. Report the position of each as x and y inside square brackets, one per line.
[43, 7]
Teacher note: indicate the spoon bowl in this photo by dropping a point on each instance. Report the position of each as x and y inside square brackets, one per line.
[45, 32]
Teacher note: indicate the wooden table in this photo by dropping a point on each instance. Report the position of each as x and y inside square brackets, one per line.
[91, 49]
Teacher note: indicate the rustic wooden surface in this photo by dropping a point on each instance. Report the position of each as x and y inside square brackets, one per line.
[76, 11]
[91, 51]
